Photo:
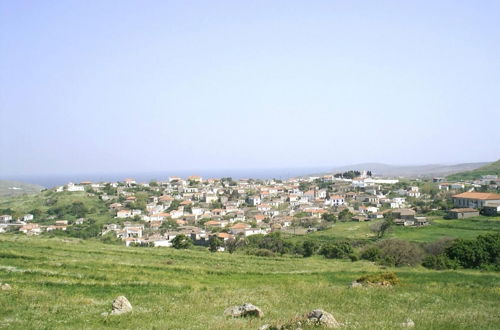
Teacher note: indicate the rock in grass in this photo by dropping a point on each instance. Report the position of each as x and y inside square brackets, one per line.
[356, 284]
[382, 279]
[244, 310]
[408, 323]
[5, 287]
[121, 305]
[319, 317]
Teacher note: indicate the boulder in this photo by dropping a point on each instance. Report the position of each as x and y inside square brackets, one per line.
[408, 323]
[356, 284]
[244, 310]
[121, 305]
[5, 287]
[319, 317]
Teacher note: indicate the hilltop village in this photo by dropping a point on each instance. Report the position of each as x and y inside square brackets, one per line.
[154, 213]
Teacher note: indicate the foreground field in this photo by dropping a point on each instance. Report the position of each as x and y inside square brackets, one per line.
[68, 283]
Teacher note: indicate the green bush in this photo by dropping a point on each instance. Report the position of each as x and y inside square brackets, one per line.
[397, 252]
[439, 262]
[483, 252]
[309, 248]
[336, 250]
[371, 253]
[182, 242]
[261, 252]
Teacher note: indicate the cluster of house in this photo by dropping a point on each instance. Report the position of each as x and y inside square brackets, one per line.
[155, 213]
[492, 182]
[25, 225]
[225, 208]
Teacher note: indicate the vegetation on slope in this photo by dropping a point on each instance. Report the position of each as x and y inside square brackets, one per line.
[63, 283]
[14, 188]
[489, 169]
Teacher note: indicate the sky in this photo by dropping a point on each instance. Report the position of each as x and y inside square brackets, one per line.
[114, 86]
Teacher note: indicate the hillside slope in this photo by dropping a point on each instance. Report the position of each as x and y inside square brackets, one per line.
[15, 188]
[489, 169]
[69, 283]
[409, 171]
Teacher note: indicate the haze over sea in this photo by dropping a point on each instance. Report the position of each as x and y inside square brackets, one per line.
[50, 181]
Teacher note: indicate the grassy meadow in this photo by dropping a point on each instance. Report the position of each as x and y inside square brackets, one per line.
[439, 228]
[61, 283]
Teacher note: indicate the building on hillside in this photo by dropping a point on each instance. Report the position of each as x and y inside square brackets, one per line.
[31, 229]
[72, 187]
[462, 213]
[6, 218]
[475, 200]
[405, 214]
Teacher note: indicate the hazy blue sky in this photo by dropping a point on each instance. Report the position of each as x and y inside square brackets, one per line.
[103, 86]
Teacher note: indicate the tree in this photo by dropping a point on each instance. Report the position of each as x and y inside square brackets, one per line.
[309, 248]
[397, 252]
[182, 242]
[36, 213]
[233, 244]
[345, 215]
[336, 250]
[477, 253]
[381, 227]
[174, 205]
[329, 217]
[214, 244]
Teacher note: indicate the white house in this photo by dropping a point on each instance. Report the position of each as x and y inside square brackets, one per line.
[254, 200]
[28, 217]
[72, 187]
[124, 214]
[5, 218]
[335, 200]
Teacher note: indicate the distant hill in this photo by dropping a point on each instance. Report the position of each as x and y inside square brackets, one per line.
[410, 171]
[488, 169]
[14, 188]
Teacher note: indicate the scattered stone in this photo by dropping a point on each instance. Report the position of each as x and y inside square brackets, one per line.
[121, 305]
[356, 284]
[321, 318]
[382, 279]
[5, 287]
[408, 323]
[105, 314]
[244, 310]
[265, 327]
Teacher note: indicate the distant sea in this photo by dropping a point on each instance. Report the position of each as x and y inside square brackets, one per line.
[50, 181]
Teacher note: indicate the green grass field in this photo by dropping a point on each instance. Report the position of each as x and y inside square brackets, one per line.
[25, 204]
[465, 228]
[62, 283]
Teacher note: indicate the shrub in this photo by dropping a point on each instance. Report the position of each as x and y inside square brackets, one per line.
[272, 242]
[309, 248]
[336, 250]
[261, 252]
[483, 252]
[215, 243]
[182, 242]
[396, 252]
[438, 247]
[371, 253]
[110, 238]
[439, 262]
